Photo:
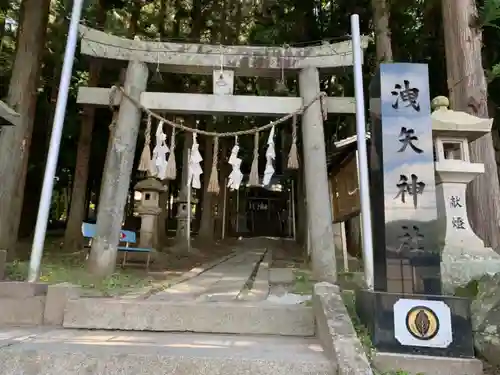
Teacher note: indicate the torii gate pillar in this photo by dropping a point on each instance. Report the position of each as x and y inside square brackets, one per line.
[116, 176]
[319, 212]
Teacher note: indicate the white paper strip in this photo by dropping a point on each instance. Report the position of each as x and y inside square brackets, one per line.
[158, 165]
[235, 177]
[270, 156]
[194, 167]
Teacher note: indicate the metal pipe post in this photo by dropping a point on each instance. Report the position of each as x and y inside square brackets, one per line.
[294, 229]
[188, 224]
[55, 144]
[364, 184]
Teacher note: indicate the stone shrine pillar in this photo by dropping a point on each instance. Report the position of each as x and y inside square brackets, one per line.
[149, 209]
[319, 210]
[116, 176]
[403, 196]
[406, 313]
[464, 256]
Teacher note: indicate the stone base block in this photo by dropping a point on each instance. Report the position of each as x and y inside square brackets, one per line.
[79, 352]
[3, 263]
[281, 276]
[211, 317]
[22, 289]
[25, 311]
[394, 329]
[417, 364]
[57, 298]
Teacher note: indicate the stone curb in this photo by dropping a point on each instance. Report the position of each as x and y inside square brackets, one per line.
[57, 298]
[336, 332]
[146, 292]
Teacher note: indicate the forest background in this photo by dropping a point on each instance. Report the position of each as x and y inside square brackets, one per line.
[37, 30]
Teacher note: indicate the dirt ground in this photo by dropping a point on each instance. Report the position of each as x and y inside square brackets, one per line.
[490, 370]
[58, 266]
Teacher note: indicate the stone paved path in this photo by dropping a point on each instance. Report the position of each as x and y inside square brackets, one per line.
[37, 351]
[222, 283]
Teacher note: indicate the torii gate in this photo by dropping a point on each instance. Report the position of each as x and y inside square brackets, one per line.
[8, 116]
[190, 58]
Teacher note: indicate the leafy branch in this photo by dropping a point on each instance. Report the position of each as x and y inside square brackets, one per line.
[488, 14]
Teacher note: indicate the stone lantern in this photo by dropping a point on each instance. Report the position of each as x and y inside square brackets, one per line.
[464, 256]
[149, 209]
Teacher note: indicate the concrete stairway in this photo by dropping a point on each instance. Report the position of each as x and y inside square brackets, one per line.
[76, 352]
[216, 301]
[259, 318]
[219, 322]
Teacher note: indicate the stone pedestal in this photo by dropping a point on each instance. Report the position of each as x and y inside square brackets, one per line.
[149, 209]
[464, 256]
[149, 221]
[182, 219]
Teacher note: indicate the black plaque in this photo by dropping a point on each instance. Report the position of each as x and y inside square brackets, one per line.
[404, 214]
[376, 310]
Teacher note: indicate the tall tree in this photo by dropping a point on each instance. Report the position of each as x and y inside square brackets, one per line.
[72, 235]
[381, 15]
[4, 7]
[22, 95]
[468, 92]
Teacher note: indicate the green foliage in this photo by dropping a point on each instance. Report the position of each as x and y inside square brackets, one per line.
[416, 37]
[60, 268]
[468, 291]
[489, 14]
[303, 284]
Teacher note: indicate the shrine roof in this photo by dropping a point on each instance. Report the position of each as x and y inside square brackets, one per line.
[343, 149]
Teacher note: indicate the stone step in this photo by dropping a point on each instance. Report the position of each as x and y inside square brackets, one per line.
[75, 352]
[261, 318]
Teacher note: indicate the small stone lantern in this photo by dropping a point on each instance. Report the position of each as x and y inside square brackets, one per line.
[149, 209]
[464, 256]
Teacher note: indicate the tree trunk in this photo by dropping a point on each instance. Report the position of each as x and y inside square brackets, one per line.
[135, 14]
[15, 141]
[162, 18]
[39, 149]
[176, 30]
[468, 93]
[381, 14]
[73, 234]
